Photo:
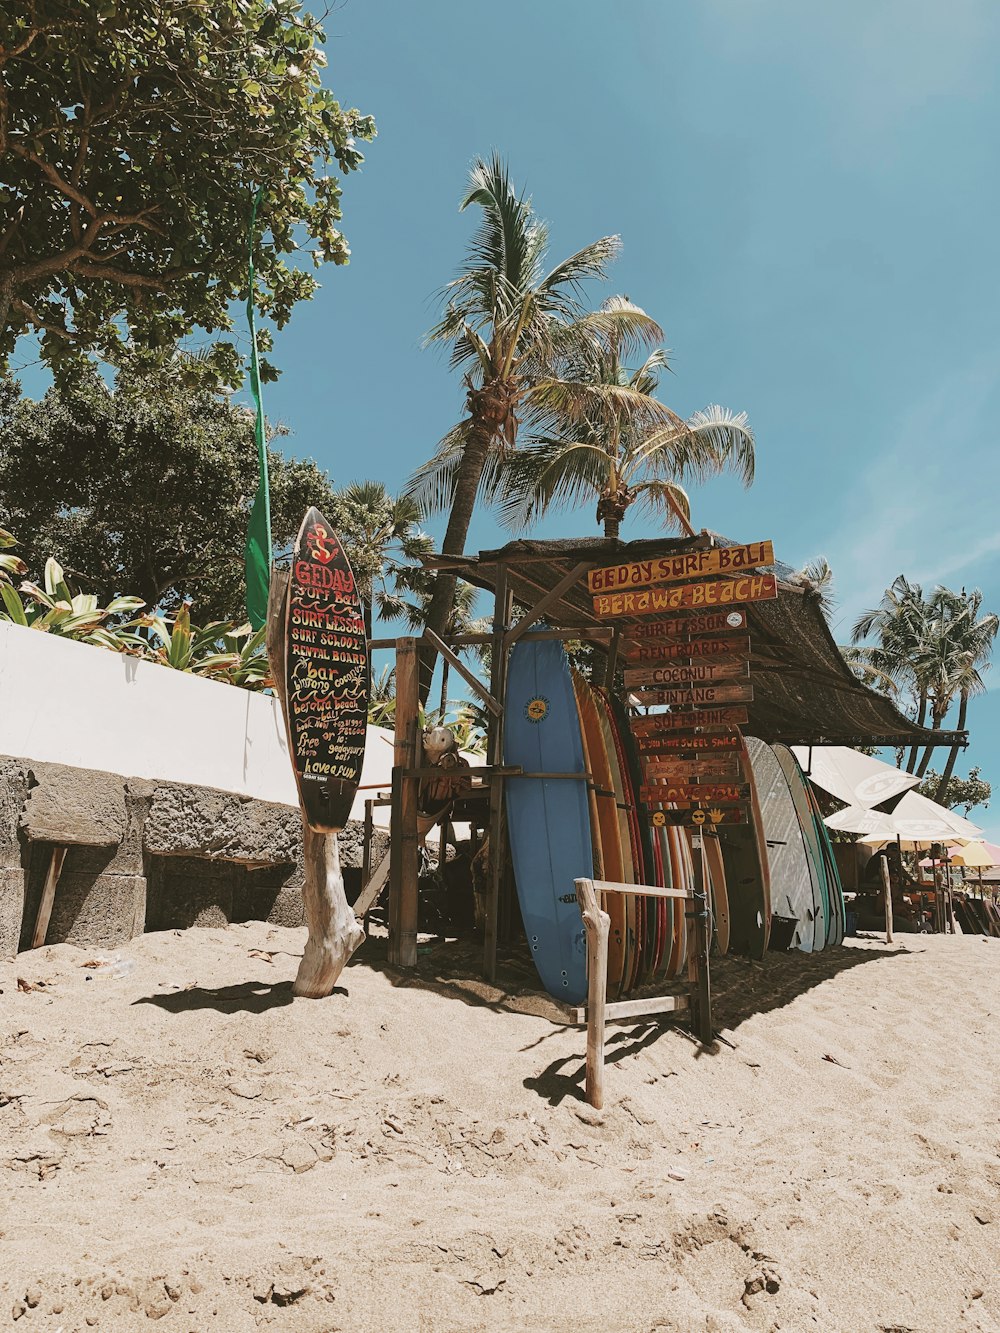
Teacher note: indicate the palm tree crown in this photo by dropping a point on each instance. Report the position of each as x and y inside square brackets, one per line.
[614, 440]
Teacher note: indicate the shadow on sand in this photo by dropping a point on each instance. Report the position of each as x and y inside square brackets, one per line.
[249, 997]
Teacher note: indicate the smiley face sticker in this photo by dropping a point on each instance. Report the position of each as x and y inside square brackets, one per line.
[537, 709]
[698, 817]
[659, 818]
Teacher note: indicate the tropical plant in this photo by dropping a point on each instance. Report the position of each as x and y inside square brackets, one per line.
[9, 564]
[935, 647]
[215, 650]
[510, 322]
[817, 576]
[613, 440]
[383, 539]
[382, 698]
[147, 487]
[56, 609]
[414, 612]
[132, 137]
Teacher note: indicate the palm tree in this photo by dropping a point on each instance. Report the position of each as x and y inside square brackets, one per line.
[902, 626]
[969, 644]
[508, 320]
[817, 576]
[614, 440]
[380, 532]
[461, 621]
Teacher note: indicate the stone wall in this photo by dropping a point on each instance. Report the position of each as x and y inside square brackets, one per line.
[147, 855]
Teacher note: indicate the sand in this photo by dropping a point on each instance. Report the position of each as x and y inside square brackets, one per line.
[185, 1142]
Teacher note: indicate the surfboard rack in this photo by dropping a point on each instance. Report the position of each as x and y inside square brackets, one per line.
[696, 1006]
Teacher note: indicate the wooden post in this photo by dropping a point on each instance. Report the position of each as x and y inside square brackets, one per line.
[404, 845]
[597, 924]
[334, 933]
[48, 896]
[494, 756]
[949, 902]
[887, 887]
[699, 943]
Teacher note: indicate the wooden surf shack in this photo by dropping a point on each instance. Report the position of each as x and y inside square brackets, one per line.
[716, 628]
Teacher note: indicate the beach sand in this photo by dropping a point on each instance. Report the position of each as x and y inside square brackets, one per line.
[186, 1142]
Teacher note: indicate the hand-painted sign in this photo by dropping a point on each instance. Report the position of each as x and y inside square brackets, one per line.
[680, 770]
[326, 675]
[700, 818]
[706, 793]
[688, 624]
[699, 648]
[698, 695]
[705, 719]
[691, 565]
[684, 744]
[695, 674]
[656, 601]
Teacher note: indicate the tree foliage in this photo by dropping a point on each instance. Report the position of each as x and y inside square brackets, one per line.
[144, 490]
[959, 793]
[133, 134]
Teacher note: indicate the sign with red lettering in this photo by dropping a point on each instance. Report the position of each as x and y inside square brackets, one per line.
[681, 770]
[699, 696]
[698, 649]
[696, 673]
[687, 745]
[689, 624]
[706, 719]
[656, 601]
[326, 675]
[705, 794]
[690, 565]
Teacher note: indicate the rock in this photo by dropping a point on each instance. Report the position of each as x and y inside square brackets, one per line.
[18, 1309]
[107, 1291]
[33, 1296]
[262, 1288]
[75, 805]
[198, 821]
[983, 1216]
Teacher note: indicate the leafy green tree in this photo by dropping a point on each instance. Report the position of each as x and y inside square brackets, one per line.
[510, 322]
[133, 134]
[959, 793]
[144, 490]
[614, 441]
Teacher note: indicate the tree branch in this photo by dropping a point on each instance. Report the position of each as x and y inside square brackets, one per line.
[41, 324]
[88, 268]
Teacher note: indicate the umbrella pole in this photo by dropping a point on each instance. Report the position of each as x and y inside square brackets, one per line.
[948, 901]
[886, 885]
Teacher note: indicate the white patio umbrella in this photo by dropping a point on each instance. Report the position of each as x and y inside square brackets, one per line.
[858, 780]
[916, 822]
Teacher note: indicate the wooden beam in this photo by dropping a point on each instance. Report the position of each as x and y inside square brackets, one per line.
[623, 1011]
[643, 890]
[549, 599]
[48, 896]
[609, 673]
[458, 665]
[403, 844]
[597, 925]
[373, 887]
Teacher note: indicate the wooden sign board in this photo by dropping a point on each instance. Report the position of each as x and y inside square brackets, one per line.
[326, 675]
[705, 719]
[691, 565]
[681, 770]
[699, 648]
[698, 818]
[658, 601]
[688, 745]
[698, 695]
[706, 793]
[690, 624]
[697, 673]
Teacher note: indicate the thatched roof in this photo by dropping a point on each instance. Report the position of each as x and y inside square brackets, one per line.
[804, 692]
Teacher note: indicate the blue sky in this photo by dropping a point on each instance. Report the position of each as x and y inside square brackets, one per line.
[807, 196]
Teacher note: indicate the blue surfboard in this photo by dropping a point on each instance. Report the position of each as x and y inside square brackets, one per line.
[548, 820]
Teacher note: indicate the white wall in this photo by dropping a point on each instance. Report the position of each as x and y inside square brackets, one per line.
[72, 703]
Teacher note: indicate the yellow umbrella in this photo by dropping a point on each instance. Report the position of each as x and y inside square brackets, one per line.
[972, 854]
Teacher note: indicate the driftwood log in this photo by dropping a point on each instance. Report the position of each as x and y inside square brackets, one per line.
[334, 931]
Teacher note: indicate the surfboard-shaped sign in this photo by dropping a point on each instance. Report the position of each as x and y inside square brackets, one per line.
[326, 675]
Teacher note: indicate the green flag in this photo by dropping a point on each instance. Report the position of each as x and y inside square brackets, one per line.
[258, 547]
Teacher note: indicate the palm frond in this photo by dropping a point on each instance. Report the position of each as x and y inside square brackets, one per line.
[665, 499]
[707, 444]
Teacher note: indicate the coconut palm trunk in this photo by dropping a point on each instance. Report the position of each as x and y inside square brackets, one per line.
[921, 718]
[963, 709]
